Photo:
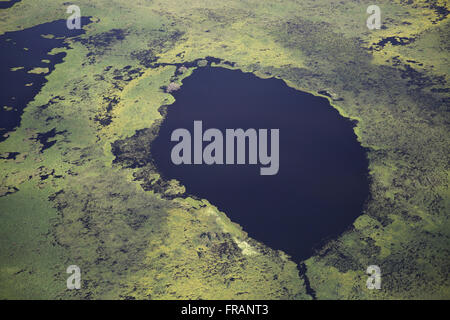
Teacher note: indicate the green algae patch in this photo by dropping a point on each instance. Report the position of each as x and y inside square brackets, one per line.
[31, 263]
[39, 70]
[74, 203]
[47, 36]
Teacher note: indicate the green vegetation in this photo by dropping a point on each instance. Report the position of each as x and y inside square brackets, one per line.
[130, 232]
[39, 70]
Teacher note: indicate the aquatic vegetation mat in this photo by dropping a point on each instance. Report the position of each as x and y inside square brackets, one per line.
[66, 199]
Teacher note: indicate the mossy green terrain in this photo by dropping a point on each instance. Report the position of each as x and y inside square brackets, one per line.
[136, 236]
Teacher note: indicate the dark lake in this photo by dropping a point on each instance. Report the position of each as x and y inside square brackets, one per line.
[8, 4]
[28, 49]
[322, 183]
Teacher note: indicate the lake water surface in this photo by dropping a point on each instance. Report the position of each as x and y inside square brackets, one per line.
[322, 183]
[21, 52]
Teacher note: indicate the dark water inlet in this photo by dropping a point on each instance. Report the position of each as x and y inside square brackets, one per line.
[322, 182]
[8, 4]
[27, 49]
